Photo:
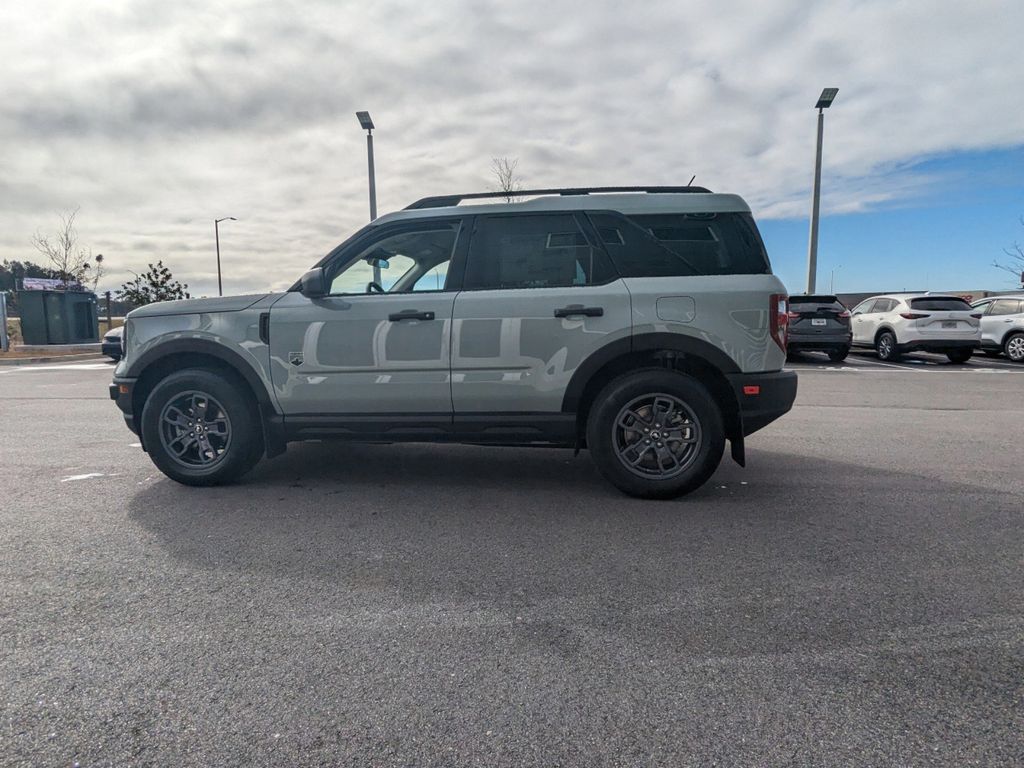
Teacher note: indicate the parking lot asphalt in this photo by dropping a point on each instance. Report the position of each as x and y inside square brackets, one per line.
[852, 597]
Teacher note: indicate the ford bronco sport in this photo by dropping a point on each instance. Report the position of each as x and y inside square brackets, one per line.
[641, 323]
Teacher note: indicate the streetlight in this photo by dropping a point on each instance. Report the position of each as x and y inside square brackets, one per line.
[824, 102]
[832, 279]
[216, 234]
[367, 125]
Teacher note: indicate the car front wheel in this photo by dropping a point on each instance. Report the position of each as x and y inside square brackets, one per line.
[886, 347]
[656, 434]
[201, 428]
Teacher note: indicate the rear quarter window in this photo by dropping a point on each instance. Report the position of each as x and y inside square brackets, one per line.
[683, 244]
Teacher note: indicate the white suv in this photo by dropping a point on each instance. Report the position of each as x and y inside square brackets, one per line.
[1002, 326]
[644, 324]
[898, 323]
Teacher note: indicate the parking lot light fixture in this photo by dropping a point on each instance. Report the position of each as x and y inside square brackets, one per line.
[828, 95]
[216, 235]
[367, 125]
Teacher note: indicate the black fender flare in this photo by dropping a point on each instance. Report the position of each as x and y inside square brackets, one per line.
[201, 346]
[644, 342]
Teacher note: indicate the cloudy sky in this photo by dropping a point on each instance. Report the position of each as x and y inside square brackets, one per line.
[154, 117]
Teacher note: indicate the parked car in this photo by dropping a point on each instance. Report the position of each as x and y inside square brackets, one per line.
[643, 324]
[111, 345]
[1002, 326]
[819, 323]
[900, 323]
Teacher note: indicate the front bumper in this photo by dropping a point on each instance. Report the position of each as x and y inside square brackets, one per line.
[111, 349]
[121, 391]
[763, 397]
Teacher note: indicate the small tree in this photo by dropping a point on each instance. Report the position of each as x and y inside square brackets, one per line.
[505, 172]
[70, 263]
[1015, 253]
[155, 284]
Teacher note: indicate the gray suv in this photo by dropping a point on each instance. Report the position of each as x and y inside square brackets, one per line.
[641, 323]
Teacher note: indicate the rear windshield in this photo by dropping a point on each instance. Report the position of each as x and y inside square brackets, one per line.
[813, 300]
[680, 244]
[940, 304]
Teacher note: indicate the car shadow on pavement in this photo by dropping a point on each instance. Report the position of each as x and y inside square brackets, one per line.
[513, 526]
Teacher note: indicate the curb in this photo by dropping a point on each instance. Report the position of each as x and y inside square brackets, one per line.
[52, 359]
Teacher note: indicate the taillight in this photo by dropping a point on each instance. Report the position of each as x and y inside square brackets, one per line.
[913, 316]
[844, 313]
[778, 317]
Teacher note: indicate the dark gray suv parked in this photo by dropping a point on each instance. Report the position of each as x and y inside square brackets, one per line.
[821, 324]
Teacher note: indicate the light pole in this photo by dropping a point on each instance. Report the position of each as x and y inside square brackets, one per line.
[832, 279]
[367, 124]
[828, 95]
[216, 235]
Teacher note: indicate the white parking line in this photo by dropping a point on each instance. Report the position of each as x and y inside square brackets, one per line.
[65, 367]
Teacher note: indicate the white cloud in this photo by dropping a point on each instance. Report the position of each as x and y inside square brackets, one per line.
[156, 117]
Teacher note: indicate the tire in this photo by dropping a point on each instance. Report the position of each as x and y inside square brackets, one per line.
[229, 419]
[886, 347]
[1014, 347]
[959, 356]
[699, 433]
[991, 353]
[838, 355]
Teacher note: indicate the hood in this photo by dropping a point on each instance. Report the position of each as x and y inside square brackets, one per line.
[197, 306]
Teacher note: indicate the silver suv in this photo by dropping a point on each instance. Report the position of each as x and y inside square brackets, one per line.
[643, 324]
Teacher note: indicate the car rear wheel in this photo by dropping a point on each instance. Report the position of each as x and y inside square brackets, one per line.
[656, 434]
[1014, 347]
[959, 356]
[838, 355]
[201, 428]
[885, 346]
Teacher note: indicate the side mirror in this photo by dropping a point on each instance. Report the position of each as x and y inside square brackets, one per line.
[314, 283]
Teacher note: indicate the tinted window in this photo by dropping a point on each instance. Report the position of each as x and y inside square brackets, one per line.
[713, 243]
[810, 303]
[533, 252]
[940, 304]
[813, 300]
[1005, 307]
[634, 250]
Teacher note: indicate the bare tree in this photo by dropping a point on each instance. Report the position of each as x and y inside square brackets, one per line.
[1015, 266]
[505, 172]
[71, 263]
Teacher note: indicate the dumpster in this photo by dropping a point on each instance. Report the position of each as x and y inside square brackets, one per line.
[58, 317]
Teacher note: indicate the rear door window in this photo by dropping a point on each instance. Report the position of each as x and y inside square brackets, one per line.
[1005, 307]
[545, 251]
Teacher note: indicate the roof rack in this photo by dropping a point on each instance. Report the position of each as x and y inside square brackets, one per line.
[445, 201]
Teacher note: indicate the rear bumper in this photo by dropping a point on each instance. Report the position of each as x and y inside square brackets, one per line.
[939, 345]
[819, 340]
[763, 397]
[121, 393]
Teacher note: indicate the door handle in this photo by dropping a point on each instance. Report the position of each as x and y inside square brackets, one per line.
[579, 309]
[410, 314]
